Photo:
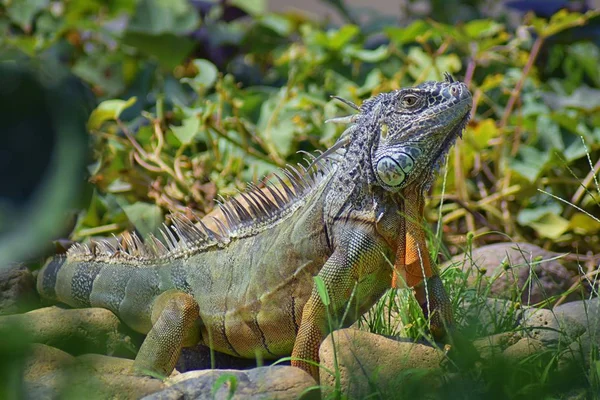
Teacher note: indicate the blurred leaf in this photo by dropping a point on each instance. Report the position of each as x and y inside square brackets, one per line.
[483, 132]
[147, 218]
[529, 215]
[560, 21]
[545, 220]
[371, 56]
[188, 129]
[276, 129]
[157, 17]
[336, 39]
[23, 11]
[205, 78]
[529, 163]
[551, 226]
[252, 7]
[277, 23]
[408, 34]
[168, 49]
[584, 98]
[583, 224]
[102, 73]
[423, 67]
[108, 110]
[481, 28]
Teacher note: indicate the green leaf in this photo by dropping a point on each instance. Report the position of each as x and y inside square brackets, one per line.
[188, 129]
[206, 76]
[482, 28]
[424, 67]
[529, 163]
[529, 215]
[22, 11]
[583, 224]
[108, 110]
[562, 20]
[168, 49]
[551, 226]
[322, 290]
[483, 132]
[277, 23]
[147, 218]
[276, 126]
[372, 56]
[252, 7]
[408, 34]
[336, 39]
[583, 98]
[156, 17]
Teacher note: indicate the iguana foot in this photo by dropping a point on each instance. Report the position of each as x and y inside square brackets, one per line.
[174, 318]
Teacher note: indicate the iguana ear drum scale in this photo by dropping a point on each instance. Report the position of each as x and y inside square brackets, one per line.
[241, 279]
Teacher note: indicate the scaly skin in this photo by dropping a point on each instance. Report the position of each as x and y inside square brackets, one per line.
[242, 282]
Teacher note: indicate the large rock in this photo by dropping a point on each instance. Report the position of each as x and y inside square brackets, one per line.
[51, 374]
[583, 349]
[516, 271]
[549, 328]
[275, 382]
[487, 316]
[492, 346]
[75, 331]
[201, 357]
[585, 312]
[17, 290]
[523, 349]
[369, 363]
[44, 359]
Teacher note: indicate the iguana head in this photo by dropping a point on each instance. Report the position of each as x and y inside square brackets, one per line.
[413, 130]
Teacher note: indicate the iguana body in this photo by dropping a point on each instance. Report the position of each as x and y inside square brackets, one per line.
[245, 287]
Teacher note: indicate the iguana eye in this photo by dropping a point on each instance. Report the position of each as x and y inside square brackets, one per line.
[409, 100]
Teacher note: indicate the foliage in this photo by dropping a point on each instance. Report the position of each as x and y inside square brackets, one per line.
[187, 129]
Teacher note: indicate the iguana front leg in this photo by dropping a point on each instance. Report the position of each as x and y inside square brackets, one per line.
[359, 261]
[175, 317]
[414, 268]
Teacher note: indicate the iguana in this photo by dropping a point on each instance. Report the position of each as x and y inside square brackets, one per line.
[245, 287]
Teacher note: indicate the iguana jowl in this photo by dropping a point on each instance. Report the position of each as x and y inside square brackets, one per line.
[245, 286]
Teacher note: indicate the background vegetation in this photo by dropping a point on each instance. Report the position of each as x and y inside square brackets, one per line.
[196, 98]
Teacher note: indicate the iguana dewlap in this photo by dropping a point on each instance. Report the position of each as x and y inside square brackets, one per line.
[244, 286]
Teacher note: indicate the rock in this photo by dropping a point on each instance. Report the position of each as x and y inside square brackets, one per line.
[199, 357]
[17, 290]
[52, 373]
[367, 361]
[275, 382]
[106, 364]
[507, 268]
[76, 331]
[581, 350]
[488, 316]
[585, 312]
[491, 346]
[544, 325]
[43, 360]
[524, 348]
